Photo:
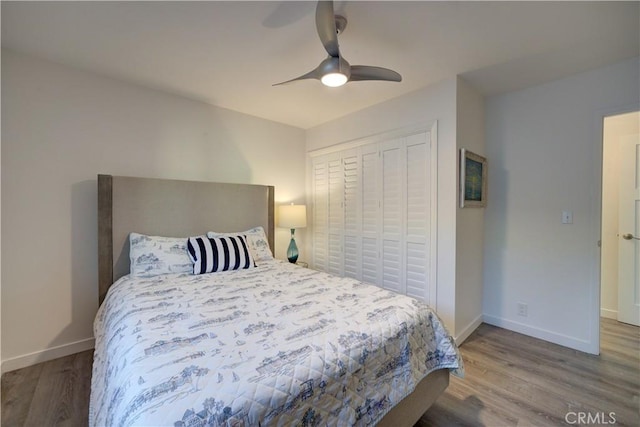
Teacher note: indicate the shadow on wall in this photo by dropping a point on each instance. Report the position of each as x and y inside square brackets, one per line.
[204, 154]
[84, 263]
[208, 160]
[210, 154]
[496, 237]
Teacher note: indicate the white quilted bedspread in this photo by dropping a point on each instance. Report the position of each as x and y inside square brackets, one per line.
[273, 345]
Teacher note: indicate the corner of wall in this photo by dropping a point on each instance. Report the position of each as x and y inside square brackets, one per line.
[469, 221]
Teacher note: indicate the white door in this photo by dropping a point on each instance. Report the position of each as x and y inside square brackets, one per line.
[629, 231]
[370, 206]
[352, 201]
[320, 203]
[335, 215]
[417, 206]
[392, 196]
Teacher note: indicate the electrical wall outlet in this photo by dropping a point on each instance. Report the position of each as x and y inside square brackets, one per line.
[522, 309]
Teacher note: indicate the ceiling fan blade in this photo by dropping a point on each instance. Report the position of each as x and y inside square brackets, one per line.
[366, 72]
[326, 26]
[313, 74]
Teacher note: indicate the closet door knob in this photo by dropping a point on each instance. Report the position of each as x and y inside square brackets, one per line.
[629, 236]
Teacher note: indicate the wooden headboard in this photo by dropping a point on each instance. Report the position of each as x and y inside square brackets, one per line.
[171, 208]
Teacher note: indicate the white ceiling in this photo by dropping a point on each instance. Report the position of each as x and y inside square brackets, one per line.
[230, 53]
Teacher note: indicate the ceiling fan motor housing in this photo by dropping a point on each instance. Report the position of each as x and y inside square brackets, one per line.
[333, 64]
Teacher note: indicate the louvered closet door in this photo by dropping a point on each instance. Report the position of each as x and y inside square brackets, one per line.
[417, 215]
[320, 200]
[372, 213]
[335, 215]
[393, 194]
[370, 268]
[352, 201]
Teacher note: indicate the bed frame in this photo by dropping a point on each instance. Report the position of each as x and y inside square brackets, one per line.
[176, 208]
[171, 208]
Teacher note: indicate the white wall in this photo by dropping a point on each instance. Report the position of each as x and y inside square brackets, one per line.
[615, 127]
[434, 103]
[544, 149]
[60, 128]
[469, 221]
[0, 264]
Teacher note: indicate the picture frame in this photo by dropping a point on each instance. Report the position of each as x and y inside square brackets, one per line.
[473, 180]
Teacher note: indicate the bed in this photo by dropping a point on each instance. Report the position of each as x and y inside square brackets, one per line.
[273, 344]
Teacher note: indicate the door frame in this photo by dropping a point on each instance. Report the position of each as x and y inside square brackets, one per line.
[600, 115]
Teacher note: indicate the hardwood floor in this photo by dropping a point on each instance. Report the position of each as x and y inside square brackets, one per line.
[515, 380]
[511, 380]
[54, 393]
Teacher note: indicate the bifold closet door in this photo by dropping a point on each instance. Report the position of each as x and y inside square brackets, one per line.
[371, 213]
[392, 196]
[370, 217]
[320, 201]
[352, 202]
[335, 214]
[417, 215]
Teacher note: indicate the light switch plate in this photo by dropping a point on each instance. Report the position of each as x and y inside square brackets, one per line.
[567, 217]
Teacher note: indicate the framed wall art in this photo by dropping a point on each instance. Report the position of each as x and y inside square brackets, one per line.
[473, 180]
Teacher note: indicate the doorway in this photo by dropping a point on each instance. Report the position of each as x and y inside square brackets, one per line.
[619, 250]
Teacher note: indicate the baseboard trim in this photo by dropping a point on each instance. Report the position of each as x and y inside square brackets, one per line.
[609, 314]
[468, 330]
[46, 355]
[543, 334]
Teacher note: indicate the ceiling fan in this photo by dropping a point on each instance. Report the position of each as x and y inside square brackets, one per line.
[335, 71]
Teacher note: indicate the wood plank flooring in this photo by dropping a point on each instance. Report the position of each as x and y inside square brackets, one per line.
[54, 393]
[511, 380]
[515, 380]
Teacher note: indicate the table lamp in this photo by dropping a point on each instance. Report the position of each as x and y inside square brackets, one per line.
[292, 217]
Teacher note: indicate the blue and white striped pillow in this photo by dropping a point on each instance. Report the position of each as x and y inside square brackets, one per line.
[213, 254]
[257, 240]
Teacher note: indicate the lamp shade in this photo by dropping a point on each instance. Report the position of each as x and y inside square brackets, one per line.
[292, 216]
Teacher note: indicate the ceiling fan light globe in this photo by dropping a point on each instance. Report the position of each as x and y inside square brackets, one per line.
[334, 79]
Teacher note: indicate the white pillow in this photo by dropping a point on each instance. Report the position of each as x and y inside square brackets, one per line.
[223, 253]
[257, 240]
[154, 255]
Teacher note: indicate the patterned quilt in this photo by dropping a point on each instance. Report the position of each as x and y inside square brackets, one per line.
[272, 345]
